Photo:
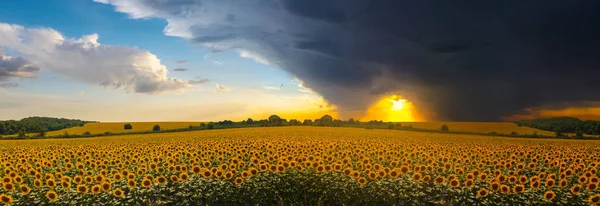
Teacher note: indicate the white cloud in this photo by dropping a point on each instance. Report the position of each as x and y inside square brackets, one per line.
[218, 63]
[271, 88]
[85, 59]
[221, 88]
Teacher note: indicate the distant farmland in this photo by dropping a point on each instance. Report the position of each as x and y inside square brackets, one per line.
[117, 127]
[479, 127]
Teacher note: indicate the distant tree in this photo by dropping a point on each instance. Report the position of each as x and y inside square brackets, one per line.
[87, 133]
[22, 132]
[307, 122]
[294, 122]
[326, 120]
[579, 133]
[445, 128]
[514, 134]
[390, 125]
[351, 121]
[275, 120]
[202, 125]
[558, 134]
[127, 126]
[42, 133]
[156, 128]
[250, 121]
[210, 126]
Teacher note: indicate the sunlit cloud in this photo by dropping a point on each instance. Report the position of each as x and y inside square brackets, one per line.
[219, 88]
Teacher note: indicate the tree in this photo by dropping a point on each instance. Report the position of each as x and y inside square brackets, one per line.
[351, 121]
[558, 134]
[275, 120]
[307, 122]
[294, 122]
[250, 121]
[156, 128]
[579, 133]
[210, 125]
[127, 126]
[445, 128]
[390, 125]
[326, 120]
[22, 132]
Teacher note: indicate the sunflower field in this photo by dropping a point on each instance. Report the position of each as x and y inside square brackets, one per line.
[299, 166]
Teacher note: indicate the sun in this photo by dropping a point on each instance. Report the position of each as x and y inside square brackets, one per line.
[397, 104]
[392, 108]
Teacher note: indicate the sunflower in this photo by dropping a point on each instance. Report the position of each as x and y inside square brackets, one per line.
[591, 186]
[482, 192]
[24, 189]
[469, 184]
[5, 199]
[118, 193]
[439, 180]
[52, 196]
[131, 183]
[6, 180]
[417, 176]
[404, 169]
[106, 186]
[82, 189]
[37, 183]
[88, 179]
[362, 181]
[174, 178]
[184, 177]
[550, 183]
[8, 187]
[549, 195]
[118, 177]
[161, 180]
[582, 179]
[96, 189]
[207, 174]
[519, 189]
[495, 186]
[483, 177]
[454, 183]
[426, 178]
[18, 179]
[523, 179]
[238, 181]
[51, 183]
[99, 178]
[504, 189]
[77, 179]
[535, 184]
[196, 169]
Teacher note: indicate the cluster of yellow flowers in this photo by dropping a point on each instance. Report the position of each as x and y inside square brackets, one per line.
[478, 166]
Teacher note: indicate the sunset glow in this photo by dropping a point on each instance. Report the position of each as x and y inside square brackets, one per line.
[394, 109]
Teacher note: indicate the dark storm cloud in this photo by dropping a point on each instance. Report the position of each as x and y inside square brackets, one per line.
[180, 69]
[464, 61]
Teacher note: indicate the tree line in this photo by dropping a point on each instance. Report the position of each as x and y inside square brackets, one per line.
[37, 125]
[562, 125]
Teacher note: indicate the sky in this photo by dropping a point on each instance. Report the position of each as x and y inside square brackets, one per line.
[201, 60]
